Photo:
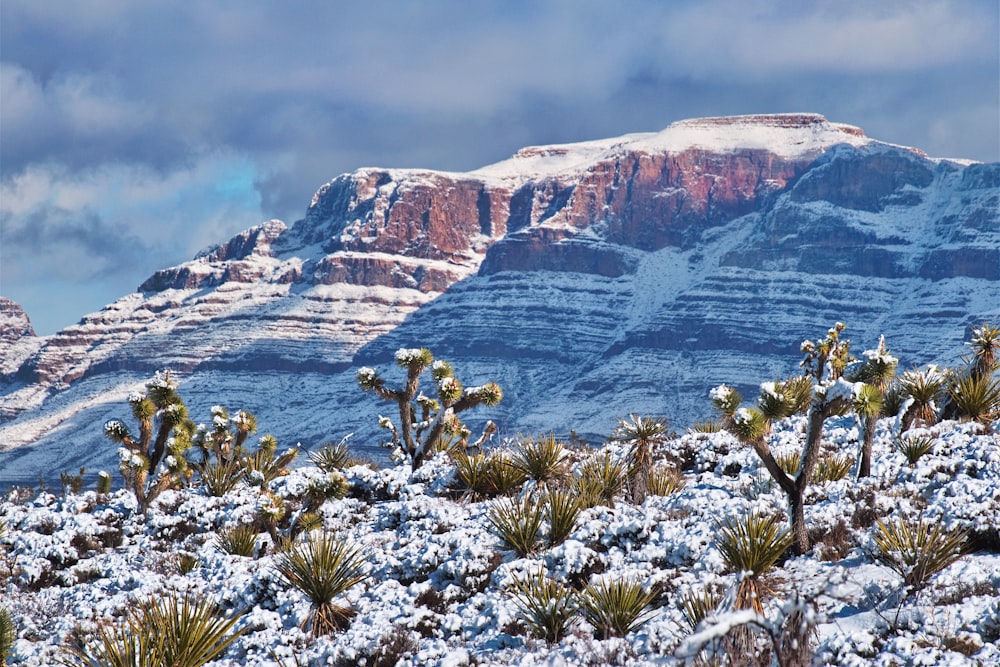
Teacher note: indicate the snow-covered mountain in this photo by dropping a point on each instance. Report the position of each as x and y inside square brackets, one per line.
[590, 280]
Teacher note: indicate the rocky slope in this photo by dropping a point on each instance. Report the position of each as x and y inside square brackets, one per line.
[590, 280]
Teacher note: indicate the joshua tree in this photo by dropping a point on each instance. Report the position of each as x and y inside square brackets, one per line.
[418, 437]
[641, 434]
[824, 364]
[164, 436]
[876, 372]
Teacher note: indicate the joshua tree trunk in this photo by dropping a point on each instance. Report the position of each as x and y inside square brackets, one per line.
[865, 466]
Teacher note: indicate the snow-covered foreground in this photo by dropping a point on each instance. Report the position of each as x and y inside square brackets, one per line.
[438, 580]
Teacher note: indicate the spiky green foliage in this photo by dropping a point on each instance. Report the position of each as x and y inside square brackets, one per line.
[789, 462]
[749, 425]
[696, 607]
[220, 477]
[543, 459]
[977, 397]
[8, 633]
[169, 631]
[424, 420]
[518, 523]
[709, 426]
[547, 607]
[751, 545]
[165, 433]
[616, 607]
[331, 456]
[893, 399]
[782, 399]
[913, 447]
[323, 567]
[265, 465]
[917, 550]
[664, 480]
[237, 540]
[486, 474]
[832, 467]
[925, 388]
[563, 508]
[600, 479]
[985, 344]
[640, 435]
[826, 359]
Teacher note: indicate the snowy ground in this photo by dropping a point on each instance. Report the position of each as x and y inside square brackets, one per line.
[435, 594]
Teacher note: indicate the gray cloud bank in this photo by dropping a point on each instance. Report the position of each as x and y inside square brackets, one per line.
[134, 134]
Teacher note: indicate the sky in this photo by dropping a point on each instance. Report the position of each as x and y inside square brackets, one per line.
[135, 134]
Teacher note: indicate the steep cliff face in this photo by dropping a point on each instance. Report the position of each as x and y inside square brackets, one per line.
[591, 280]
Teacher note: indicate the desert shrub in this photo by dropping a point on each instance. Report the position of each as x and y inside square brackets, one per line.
[600, 479]
[616, 607]
[265, 465]
[220, 477]
[433, 417]
[547, 607]
[518, 523]
[331, 456]
[788, 461]
[323, 567]
[103, 482]
[71, 483]
[696, 607]
[563, 508]
[640, 435]
[170, 631]
[237, 540]
[913, 447]
[543, 459]
[832, 467]
[925, 388]
[485, 474]
[664, 480]
[977, 397]
[8, 634]
[751, 545]
[917, 550]
[708, 426]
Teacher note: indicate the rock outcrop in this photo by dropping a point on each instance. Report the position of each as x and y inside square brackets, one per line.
[591, 280]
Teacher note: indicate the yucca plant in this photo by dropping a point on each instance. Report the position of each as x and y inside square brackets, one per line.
[832, 467]
[601, 478]
[331, 456]
[563, 508]
[917, 550]
[640, 435]
[696, 607]
[323, 567]
[789, 462]
[985, 346]
[220, 477]
[977, 397]
[664, 480]
[547, 607]
[752, 545]
[708, 426]
[171, 631]
[8, 633]
[925, 388]
[265, 465]
[517, 522]
[501, 475]
[485, 474]
[543, 459]
[913, 447]
[237, 540]
[616, 608]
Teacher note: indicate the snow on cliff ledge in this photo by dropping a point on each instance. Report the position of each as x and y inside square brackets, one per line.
[786, 135]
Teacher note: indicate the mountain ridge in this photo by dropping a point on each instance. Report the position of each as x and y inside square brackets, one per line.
[590, 279]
